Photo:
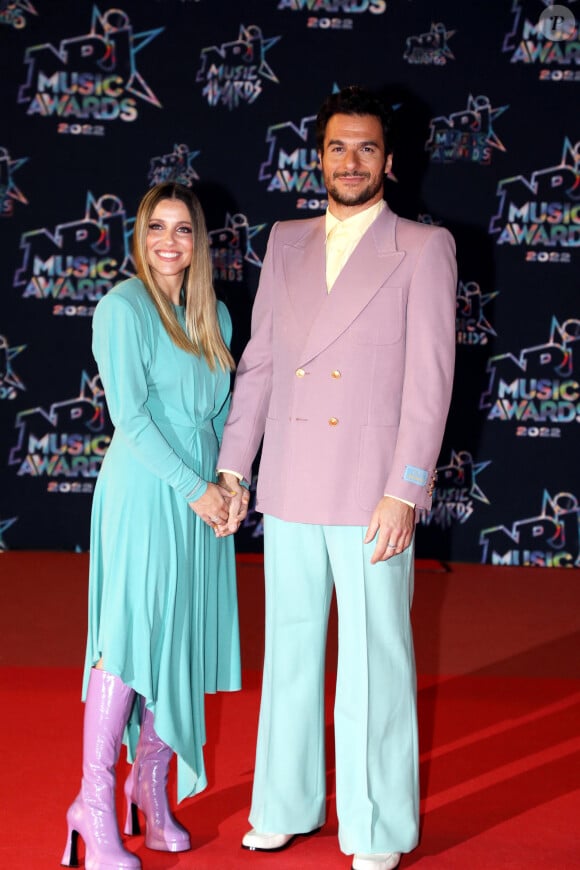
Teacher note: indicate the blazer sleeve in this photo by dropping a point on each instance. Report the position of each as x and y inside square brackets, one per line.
[429, 366]
[246, 421]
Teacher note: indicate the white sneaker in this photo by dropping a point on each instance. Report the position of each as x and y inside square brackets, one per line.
[258, 842]
[378, 861]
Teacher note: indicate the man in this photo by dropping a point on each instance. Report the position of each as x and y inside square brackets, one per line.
[347, 376]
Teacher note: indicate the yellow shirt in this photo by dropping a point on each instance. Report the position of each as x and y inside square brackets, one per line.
[342, 237]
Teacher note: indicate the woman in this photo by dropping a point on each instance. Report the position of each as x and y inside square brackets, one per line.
[162, 602]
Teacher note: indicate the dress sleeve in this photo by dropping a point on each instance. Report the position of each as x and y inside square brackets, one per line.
[225, 322]
[120, 350]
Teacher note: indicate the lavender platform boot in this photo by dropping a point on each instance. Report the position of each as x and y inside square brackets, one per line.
[93, 814]
[146, 789]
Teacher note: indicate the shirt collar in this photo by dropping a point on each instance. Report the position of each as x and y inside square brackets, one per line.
[359, 222]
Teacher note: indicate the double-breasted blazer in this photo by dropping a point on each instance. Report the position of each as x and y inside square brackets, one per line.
[350, 389]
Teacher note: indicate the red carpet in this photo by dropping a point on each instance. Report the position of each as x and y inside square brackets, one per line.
[499, 702]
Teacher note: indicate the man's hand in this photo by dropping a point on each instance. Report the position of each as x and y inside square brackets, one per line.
[239, 498]
[394, 521]
[212, 507]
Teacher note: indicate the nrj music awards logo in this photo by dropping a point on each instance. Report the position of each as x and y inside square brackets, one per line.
[545, 35]
[91, 77]
[10, 383]
[9, 192]
[548, 540]
[292, 164]
[234, 72]
[456, 492]
[231, 247]
[13, 13]
[537, 390]
[430, 48]
[471, 324]
[543, 211]
[78, 261]
[175, 166]
[64, 443]
[338, 9]
[467, 135]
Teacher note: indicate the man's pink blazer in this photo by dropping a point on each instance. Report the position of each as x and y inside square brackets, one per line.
[350, 390]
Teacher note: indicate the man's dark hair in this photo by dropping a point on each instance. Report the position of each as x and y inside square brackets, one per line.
[354, 100]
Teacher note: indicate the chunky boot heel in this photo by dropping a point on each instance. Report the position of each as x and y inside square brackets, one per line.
[132, 824]
[71, 855]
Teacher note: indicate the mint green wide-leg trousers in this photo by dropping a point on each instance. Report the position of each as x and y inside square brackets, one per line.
[375, 719]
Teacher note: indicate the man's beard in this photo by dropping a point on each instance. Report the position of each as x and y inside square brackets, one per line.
[356, 197]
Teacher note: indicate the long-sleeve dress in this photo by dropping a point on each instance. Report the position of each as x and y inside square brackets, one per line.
[162, 589]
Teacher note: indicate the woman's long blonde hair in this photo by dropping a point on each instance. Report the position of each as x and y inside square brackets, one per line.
[203, 336]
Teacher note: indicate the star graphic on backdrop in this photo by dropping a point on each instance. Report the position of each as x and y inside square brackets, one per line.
[474, 300]
[101, 26]
[477, 104]
[4, 525]
[7, 375]
[8, 167]
[458, 461]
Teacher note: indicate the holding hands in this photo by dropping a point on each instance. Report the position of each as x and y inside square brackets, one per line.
[223, 506]
[239, 499]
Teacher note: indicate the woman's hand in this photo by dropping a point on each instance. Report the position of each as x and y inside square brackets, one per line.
[213, 506]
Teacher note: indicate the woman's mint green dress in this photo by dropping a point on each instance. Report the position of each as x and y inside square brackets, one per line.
[162, 589]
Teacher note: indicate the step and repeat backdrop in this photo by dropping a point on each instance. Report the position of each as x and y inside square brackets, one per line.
[98, 103]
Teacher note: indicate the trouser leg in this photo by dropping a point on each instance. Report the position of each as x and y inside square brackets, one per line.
[375, 706]
[289, 781]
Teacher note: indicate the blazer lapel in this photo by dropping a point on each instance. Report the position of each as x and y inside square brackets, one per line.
[305, 274]
[373, 261]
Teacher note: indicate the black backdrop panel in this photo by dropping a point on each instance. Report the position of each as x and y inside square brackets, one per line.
[98, 103]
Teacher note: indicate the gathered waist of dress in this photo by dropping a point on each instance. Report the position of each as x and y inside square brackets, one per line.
[189, 424]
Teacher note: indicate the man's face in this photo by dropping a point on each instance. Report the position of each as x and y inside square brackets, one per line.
[353, 163]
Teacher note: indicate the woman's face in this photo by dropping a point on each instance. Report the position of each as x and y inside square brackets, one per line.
[169, 245]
